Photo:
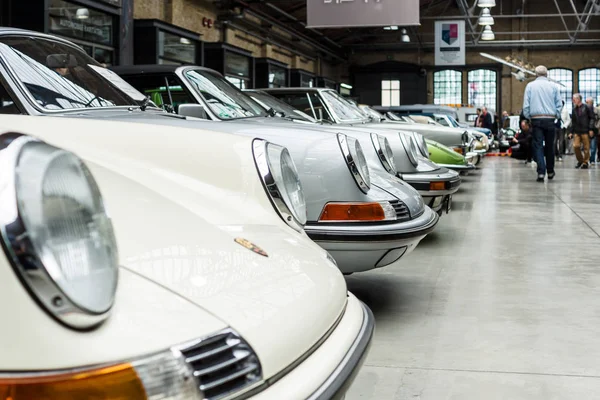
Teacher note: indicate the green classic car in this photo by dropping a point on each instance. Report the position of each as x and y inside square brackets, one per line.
[444, 156]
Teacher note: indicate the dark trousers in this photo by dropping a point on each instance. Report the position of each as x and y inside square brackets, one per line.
[543, 144]
[559, 142]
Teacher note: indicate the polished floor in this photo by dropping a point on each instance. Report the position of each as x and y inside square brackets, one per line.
[500, 302]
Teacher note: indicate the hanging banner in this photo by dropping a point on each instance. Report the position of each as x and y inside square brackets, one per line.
[356, 13]
[449, 43]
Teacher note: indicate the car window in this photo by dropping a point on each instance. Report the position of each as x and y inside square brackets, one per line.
[59, 76]
[340, 107]
[165, 90]
[225, 100]
[309, 103]
[271, 102]
[7, 104]
[441, 120]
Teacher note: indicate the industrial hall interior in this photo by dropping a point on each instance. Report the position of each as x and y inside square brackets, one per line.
[299, 199]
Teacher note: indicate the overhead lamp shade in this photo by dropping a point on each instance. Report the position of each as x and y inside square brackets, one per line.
[486, 3]
[405, 37]
[486, 18]
[488, 34]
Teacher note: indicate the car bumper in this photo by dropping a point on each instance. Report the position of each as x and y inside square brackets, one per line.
[330, 370]
[358, 247]
[459, 168]
[422, 183]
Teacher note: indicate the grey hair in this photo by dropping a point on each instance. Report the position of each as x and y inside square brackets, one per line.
[578, 95]
[590, 99]
[540, 70]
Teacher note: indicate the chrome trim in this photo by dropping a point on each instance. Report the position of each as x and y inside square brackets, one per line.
[25, 260]
[412, 153]
[457, 167]
[360, 180]
[339, 381]
[259, 150]
[387, 164]
[421, 144]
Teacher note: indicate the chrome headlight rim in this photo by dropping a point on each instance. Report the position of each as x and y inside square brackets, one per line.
[410, 148]
[384, 152]
[29, 261]
[276, 190]
[421, 144]
[356, 164]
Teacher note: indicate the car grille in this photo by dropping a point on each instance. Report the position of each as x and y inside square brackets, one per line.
[402, 213]
[223, 364]
[453, 184]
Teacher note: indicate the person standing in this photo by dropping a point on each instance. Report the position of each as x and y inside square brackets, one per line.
[559, 139]
[486, 119]
[565, 123]
[594, 141]
[478, 119]
[582, 129]
[542, 105]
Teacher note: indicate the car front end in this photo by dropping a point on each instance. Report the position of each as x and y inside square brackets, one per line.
[208, 285]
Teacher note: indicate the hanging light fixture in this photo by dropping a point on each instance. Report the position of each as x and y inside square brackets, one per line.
[486, 3]
[488, 34]
[390, 28]
[486, 18]
[82, 13]
[405, 37]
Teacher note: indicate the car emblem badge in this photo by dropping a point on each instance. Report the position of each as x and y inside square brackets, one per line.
[251, 246]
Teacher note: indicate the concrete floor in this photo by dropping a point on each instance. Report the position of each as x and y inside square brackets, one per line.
[500, 302]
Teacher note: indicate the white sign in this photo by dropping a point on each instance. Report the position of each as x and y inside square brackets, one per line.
[118, 82]
[449, 43]
[351, 13]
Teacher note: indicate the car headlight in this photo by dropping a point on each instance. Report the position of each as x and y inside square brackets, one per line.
[56, 231]
[421, 144]
[465, 138]
[356, 161]
[410, 147]
[281, 181]
[384, 152]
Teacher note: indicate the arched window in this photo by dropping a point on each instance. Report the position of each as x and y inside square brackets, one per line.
[589, 84]
[564, 76]
[447, 87]
[482, 88]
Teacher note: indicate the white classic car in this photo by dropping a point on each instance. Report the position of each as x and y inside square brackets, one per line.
[362, 224]
[138, 268]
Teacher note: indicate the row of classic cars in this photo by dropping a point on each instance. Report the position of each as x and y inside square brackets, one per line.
[172, 207]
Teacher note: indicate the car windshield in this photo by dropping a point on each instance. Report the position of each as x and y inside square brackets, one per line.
[224, 100]
[270, 102]
[372, 113]
[453, 121]
[341, 108]
[58, 76]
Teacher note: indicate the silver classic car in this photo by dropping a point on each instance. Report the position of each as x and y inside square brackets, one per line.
[361, 218]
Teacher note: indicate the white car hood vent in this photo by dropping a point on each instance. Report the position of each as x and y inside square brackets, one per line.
[402, 213]
[223, 364]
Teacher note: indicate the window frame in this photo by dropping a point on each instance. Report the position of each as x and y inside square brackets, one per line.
[390, 91]
[585, 94]
[460, 86]
[565, 92]
[486, 96]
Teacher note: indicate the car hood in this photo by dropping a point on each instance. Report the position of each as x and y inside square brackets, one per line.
[166, 234]
[446, 135]
[443, 154]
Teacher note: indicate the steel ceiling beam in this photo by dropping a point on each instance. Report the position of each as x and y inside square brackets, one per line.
[513, 16]
[588, 12]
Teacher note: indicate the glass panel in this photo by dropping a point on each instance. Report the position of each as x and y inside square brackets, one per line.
[176, 48]
[589, 84]
[75, 21]
[237, 65]
[237, 82]
[447, 87]
[342, 109]
[306, 81]
[103, 56]
[395, 84]
[277, 76]
[564, 76]
[224, 100]
[271, 102]
[386, 85]
[155, 86]
[482, 88]
[58, 76]
[395, 96]
[390, 93]
[7, 105]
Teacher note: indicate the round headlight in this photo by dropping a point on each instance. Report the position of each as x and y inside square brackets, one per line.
[281, 180]
[58, 235]
[410, 147]
[384, 152]
[421, 144]
[356, 161]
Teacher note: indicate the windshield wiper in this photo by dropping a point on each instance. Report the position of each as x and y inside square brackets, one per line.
[145, 103]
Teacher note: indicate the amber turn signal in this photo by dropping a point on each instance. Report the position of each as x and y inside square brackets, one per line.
[437, 185]
[459, 150]
[349, 212]
[119, 382]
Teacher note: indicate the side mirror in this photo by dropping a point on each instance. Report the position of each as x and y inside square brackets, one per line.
[193, 110]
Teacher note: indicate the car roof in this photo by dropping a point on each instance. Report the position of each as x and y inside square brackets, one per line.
[154, 68]
[5, 30]
[296, 89]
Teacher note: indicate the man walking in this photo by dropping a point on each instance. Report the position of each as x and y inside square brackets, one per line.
[542, 105]
[594, 141]
[582, 129]
[486, 119]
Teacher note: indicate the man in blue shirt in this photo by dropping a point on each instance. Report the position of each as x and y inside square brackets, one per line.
[542, 105]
